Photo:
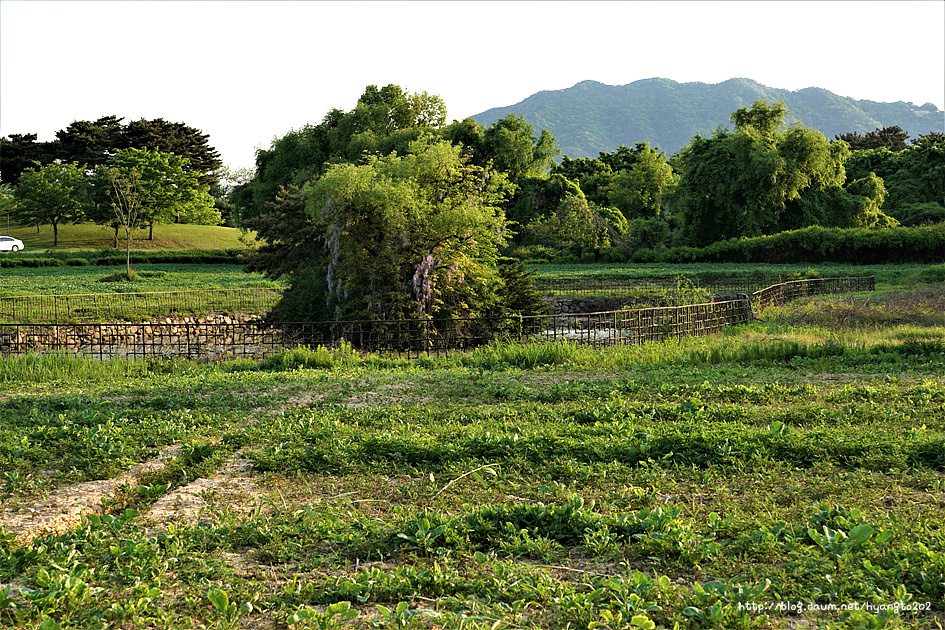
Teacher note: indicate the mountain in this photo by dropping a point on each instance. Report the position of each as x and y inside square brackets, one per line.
[592, 117]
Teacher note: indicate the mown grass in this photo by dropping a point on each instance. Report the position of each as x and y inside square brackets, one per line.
[160, 277]
[685, 484]
[86, 236]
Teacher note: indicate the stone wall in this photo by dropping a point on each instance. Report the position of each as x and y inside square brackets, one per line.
[168, 336]
[573, 306]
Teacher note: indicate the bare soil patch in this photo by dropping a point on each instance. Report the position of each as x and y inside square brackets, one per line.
[64, 508]
[233, 486]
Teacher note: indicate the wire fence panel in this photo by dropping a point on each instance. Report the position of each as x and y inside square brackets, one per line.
[787, 291]
[407, 338]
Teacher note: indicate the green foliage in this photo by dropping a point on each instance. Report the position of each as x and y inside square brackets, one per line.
[409, 236]
[53, 194]
[515, 151]
[123, 276]
[383, 121]
[913, 176]
[739, 183]
[639, 191]
[560, 216]
[517, 293]
[319, 357]
[892, 138]
[168, 191]
[816, 244]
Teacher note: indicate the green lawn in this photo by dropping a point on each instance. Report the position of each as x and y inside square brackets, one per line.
[92, 236]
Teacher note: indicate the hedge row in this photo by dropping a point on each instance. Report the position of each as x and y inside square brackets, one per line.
[112, 257]
[816, 244]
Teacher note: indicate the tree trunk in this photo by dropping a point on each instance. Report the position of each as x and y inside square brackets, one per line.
[55, 232]
[128, 253]
[151, 232]
[116, 236]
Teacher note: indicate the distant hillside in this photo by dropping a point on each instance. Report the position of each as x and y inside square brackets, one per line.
[592, 117]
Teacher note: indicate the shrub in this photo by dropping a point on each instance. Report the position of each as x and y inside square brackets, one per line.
[319, 357]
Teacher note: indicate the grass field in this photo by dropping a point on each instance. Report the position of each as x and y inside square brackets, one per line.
[92, 236]
[163, 277]
[753, 479]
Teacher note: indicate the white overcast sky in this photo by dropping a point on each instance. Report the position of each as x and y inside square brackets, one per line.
[246, 72]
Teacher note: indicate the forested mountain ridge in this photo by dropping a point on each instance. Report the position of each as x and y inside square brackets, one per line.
[591, 117]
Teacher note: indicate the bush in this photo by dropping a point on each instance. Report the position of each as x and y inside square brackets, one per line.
[816, 244]
[319, 357]
[181, 257]
[133, 276]
[22, 261]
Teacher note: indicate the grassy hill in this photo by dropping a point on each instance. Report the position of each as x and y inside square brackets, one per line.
[92, 236]
[591, 117]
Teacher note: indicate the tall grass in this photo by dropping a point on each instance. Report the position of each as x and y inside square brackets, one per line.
[64, 366]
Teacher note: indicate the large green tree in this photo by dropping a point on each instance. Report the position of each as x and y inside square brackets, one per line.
[93, 142]
[177, 138]
[742, 182]
[408, 236]
[19, 152]
[384, 120]
[52, 194]
[88, 142]
[167, 191]
[639, 191]
[514, 149]
[892, 138]
[914, 178]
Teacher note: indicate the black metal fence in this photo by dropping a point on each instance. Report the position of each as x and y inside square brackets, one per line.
[409, 338]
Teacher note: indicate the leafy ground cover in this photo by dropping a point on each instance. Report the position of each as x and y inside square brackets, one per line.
[789, 473]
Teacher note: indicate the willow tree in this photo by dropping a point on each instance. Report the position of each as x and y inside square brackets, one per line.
[412, 236]
[739, 183]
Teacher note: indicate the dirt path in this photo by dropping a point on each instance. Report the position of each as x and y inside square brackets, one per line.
[232, 485]
[64, 508]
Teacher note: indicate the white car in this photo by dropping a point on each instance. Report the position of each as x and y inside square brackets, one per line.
[10, 244]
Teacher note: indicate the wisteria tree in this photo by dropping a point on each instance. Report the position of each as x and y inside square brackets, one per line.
[413, 236]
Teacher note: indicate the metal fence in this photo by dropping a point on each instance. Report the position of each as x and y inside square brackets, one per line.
[618, 287]
[409, 338]
[99, 306]
[786, 291]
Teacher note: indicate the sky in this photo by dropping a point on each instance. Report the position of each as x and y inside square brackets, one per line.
[247, 72]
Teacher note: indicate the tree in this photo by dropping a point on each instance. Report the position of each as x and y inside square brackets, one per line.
[123, 189]
[166, 190]
[408, 236]
[383, 121]
[571, 222]
[914, 177]
[87, 142]
[511, 144]
[19, 152]
[177, 138]
[53, 194]
[892, 138]
[739, 183]
[7, 200]
[639, 190]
